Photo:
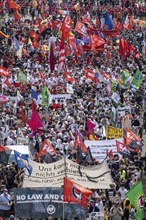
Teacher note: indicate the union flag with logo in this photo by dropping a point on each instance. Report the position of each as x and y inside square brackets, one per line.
[130, 136]
[47, 148]
[73, 192]
[80, 28]
[4, 71]
[90, 74]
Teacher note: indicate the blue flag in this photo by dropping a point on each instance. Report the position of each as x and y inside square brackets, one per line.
[108, 21]
[22, 162]
[34, 94]
[17, 44]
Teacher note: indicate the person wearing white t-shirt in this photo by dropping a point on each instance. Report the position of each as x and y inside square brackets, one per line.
[123, 192]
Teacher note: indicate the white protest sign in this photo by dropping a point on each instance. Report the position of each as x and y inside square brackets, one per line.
[52, 175]
[61, 98]
[99, 149]
[122, 110]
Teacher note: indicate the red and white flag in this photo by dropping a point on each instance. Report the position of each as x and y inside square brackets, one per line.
[61, 61]
[47, 148]
[7, 83]
[69, 78]
[4, 71]
[80, 28]
[66, 26]
[130, 136]
[90, 74]
[73, 192]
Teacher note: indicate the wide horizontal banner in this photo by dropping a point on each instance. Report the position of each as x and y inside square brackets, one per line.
[123, 110]
[113, 132]
[41, 203]
[52, 175]
[99, 149]
[61, 98]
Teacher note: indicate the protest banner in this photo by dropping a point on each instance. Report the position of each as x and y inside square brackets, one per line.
[99, 149]
[113, 132]
[122, 110]
[61, 98]
[41, 203]
[52, 175]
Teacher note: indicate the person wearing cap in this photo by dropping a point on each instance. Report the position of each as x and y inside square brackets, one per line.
[116, 211]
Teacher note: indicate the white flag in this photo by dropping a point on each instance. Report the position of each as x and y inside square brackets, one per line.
[69, 88]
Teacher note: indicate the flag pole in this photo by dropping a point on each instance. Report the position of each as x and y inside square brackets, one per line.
[63, 183]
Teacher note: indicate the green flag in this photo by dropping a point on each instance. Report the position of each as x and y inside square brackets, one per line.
[46, 96]
[124, 77]
[113, 86]
[137, 80]
[22, 77]
[136, 197]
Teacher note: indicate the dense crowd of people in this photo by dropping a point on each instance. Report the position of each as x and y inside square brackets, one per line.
[90, 99]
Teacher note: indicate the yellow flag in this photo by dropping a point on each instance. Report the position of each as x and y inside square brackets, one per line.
[29, 41]
[115, 133]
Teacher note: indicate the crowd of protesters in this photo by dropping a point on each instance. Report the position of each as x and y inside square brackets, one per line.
[89, 100]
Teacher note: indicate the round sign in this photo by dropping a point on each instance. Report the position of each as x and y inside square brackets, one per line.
[51, 209]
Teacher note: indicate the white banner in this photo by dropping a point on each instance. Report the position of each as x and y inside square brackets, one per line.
[99, 149]
[52, 175]
[61, 98]
[122, 110]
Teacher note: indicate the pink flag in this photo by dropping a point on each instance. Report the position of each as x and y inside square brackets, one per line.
[90, 125]
[35, 122]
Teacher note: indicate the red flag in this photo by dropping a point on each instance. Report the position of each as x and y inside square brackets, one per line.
[14, 5]
[17, 15]
[90, 74]
[44, 25]
[1, 4]
[34, 35]
[123, 149]
[123, 48]
[96, 41]
[80, 28]
[41, 75]
[34, 106]
[86, 19]
[130, 136]
[52, 58]
[35, 122]
[121, 146]
[7, 83]
[47, 148]
[73, 192]
[69, 78]
[61, 54]
[92, 136]
[66, 26]
[4, 71]
[131, 23]
[80, 142]
[17, 84]
[5, 152]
